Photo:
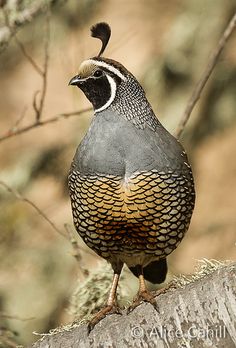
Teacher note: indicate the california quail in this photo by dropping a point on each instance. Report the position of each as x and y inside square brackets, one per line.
[131, 186]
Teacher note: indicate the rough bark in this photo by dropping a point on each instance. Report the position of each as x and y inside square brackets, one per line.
[200, 314]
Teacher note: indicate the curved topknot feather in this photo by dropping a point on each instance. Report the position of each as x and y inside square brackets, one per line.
[101, 31]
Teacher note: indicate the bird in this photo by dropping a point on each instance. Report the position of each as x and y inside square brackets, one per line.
[130, 183]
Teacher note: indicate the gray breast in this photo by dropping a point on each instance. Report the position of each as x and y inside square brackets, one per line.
[113, 145]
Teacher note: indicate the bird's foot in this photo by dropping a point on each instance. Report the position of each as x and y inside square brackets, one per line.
[171, 285]
[143, 296]
[109, 309]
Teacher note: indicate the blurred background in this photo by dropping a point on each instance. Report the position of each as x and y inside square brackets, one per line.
[166, 45]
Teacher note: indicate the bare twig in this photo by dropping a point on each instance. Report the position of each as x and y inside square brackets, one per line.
[19, 120]
[65, 234]
[205, 76]
[22, 47]
[39, 211]
[38, 105]
[35, 107]
[28, 56]
[39, 108]
[14, 317]
[75, 244]
[14, 132]
[77, 250]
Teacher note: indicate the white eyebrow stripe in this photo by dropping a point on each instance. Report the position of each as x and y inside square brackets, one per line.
[108, 67]
[112, 97]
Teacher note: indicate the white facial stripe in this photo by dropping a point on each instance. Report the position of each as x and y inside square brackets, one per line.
[108, 67]
[113, 94]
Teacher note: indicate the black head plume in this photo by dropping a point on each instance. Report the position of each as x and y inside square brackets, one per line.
[101, 31]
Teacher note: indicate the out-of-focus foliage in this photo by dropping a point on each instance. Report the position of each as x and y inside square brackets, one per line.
[166, 45]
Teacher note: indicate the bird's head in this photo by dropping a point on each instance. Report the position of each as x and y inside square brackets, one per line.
[100, 78]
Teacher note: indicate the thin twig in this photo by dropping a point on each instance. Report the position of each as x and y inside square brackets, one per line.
[39, 211]
[28, 56]
[38, 106]
[14, 132]
[43, 73]
[77, 250]
[205, 76]
[35, 107]
[75, 244]
[19, 120]
[14, 317]
[20, 44]
[39, 109]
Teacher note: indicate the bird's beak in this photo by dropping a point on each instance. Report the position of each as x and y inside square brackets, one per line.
[75, 80]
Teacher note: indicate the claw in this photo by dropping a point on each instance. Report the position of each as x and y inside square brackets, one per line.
[144, 296]
[171, 285]
[111, 309]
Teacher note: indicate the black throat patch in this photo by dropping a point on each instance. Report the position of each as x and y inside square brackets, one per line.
[98, 91]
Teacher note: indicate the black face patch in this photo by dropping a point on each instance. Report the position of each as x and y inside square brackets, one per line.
[97, 90]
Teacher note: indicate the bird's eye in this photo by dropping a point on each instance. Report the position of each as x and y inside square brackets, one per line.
[97, 73]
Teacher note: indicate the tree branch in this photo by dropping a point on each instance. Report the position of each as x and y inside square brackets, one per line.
[28, 56]
[68, 235]
[195, 96]
[15, 131]
[200, 312]
[39, 109]
[39, 211]
[14, 317]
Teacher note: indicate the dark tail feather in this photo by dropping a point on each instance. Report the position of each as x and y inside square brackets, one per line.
[155, 272]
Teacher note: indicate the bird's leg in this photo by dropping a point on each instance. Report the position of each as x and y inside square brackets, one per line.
[143, 294]
[111, 305]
